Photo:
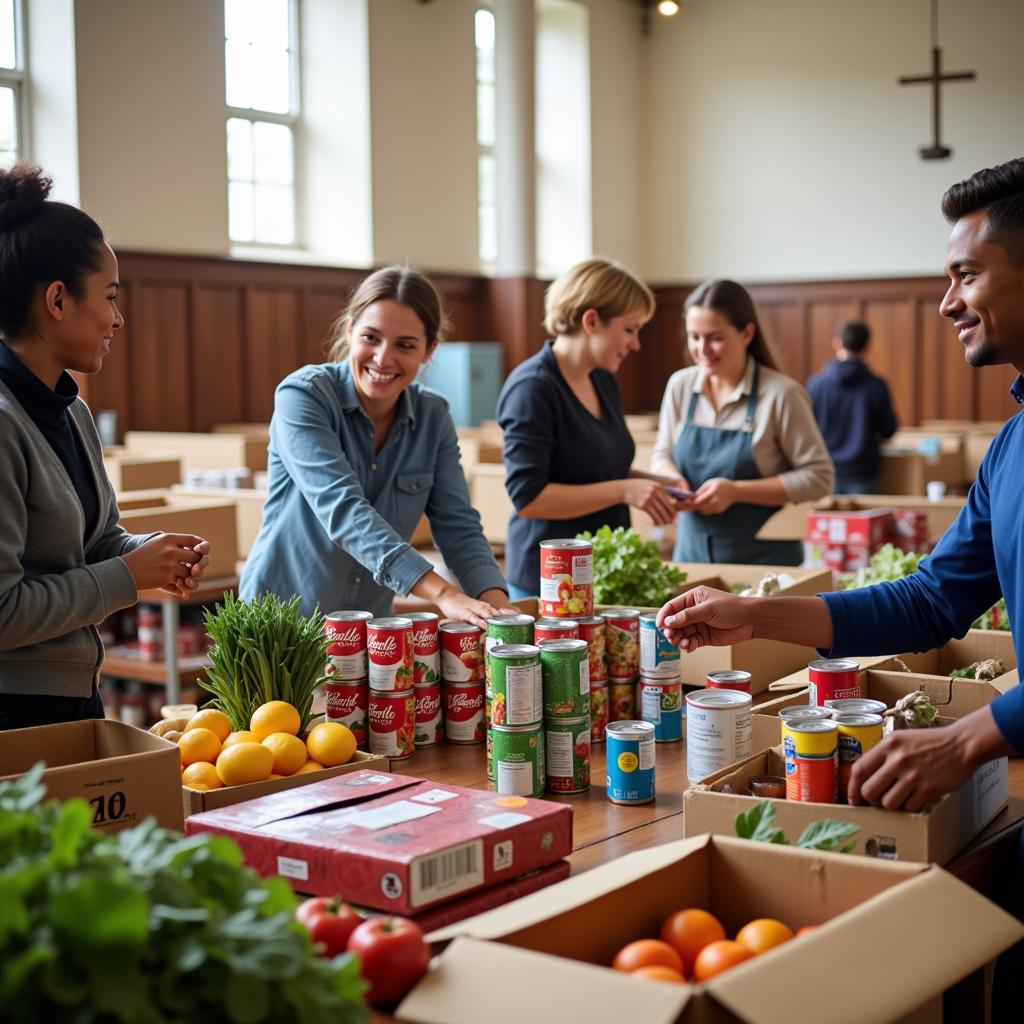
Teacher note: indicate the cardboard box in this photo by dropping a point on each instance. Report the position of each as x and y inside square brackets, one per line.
[563, 938]
[141, 472]
[173, 512]
[124, 773]
[394, 843]
[256, 430]
[248, 504]
[907, 472]
[489, 497]
[202, 451]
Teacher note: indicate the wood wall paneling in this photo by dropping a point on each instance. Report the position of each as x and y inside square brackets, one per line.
[893, 352]
[219, 356]
[162, 364]
[273, 346]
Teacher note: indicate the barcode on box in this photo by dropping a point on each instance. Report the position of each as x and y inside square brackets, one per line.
[291, 867]
[445, 874]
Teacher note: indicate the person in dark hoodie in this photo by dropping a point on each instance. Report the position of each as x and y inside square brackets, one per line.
[854, 411]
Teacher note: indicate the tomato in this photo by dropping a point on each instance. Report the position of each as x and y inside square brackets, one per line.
[717, 957]
[763, 934]
[329, 922]
[656, 972]
[647, 953]
[393, 957]
[689, 931]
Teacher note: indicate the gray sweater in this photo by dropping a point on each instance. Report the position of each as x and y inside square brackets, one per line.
[54, 588]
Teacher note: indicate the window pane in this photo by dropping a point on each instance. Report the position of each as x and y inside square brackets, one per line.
[257, 21]
[241, 75]
[487, 192]
[8, 120]
[484, 25]
[271, 80]
[275, 214]
[272, 147]
[240, 157]
[8, 45]
[485, 114]
[241, 222]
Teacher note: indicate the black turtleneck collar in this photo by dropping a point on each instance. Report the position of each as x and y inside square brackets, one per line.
[43, 403]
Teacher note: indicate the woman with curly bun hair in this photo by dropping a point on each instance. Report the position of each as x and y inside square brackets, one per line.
[65, 562]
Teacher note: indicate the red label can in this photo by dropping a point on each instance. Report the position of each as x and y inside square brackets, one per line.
[464, 712]
[566, 578]
[729, 679]
[429, 720]
[598, 710]
[346, 650]
[834, 679]
[348, 702]
[591, 629]
[426, 649]
[621, 700]
[462, 652]
[389, 654]
[555, 629]
[149, 622]
[392, 723]
[622, 642]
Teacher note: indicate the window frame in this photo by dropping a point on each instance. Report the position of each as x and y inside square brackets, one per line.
[16, 79]
[485, 151]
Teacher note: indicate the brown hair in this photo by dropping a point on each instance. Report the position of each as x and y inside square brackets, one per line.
[597, 284]
[398, 284]
[733, 301]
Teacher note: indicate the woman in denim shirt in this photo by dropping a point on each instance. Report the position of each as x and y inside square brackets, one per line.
[359, 451]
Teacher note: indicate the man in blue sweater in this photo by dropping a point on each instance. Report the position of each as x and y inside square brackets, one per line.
[980, 556]
[854, 411]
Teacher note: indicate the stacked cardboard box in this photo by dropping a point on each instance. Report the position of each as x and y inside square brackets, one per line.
[845, 541]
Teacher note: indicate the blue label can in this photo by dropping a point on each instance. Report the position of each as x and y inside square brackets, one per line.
[661, 704]
[658, 658]
[630, 762]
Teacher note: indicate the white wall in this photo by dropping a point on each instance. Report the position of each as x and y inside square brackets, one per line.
[780, 146]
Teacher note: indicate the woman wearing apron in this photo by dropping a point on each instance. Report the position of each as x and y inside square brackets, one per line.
[738, 434]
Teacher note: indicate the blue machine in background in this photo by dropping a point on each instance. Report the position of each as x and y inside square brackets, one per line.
[469, 374]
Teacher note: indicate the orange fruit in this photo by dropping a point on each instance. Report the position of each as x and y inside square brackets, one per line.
[198, 745]
[274, 775]
[806, 930]
[245, 762]
[274, 716]
[719, 956]
[689, 931]
[647, 953]
[201, 775]
[310, 766]
[240, 736]
[657, 972]
[210, 718]
[330, 744]
[288, 750]
[763, 934]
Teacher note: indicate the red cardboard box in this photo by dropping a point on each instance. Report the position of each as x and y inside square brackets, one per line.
[392, 842]
[909, 529]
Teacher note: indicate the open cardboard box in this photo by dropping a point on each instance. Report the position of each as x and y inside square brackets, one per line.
[488, 496]
[257, 430]
[562, 938]
[129, 472]
[124, 773]
[202, 451]
[248, 504]
[905, 471]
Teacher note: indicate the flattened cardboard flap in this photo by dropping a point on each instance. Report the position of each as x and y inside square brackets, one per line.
[465, 985]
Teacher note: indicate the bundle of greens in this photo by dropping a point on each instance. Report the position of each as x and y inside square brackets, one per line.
[994, 618]
[146, 927]
[826, 834]
[913, 711]
[986, 669]
[887, 563]
[263, 650]
[629, 571]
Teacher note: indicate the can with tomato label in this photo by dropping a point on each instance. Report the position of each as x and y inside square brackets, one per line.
[555, 629]
[426, 652]
[810, 748]
[392, 723]
[567, 754]
[833, 679]
[565, 678]
[516, 691]
[462, 652]
[566, 578]
[729, 679]
[718, 730]
[630, 762]
[805, 713]
[389, 654]
[621, 700]
[857, 706]
[661, 704]
[857, 734]
[658, 658]
[463, 712]
[598, 710]
[591, 629]
[429, 720]
[348, 702]
[622, 642]
[346, 648]
[518, 757]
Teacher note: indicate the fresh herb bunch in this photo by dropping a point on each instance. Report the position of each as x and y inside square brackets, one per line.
[628, 570]
[827, 834]
[994, 618]
[887, 563]
[264, 650]
[146, 927]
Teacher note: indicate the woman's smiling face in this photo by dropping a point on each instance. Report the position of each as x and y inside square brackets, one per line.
[387, 347]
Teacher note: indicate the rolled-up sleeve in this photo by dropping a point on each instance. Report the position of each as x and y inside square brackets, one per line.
[526, 416]
[800, 442]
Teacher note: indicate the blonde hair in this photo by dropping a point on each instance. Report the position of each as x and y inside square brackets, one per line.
[601, 285]
[401, 284]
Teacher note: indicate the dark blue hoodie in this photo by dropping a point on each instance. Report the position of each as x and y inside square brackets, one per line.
[854, 411]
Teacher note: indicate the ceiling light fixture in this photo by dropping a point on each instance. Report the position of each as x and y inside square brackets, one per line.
[667, 8]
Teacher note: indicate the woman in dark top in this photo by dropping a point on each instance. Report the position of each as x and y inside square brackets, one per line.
[568, 451]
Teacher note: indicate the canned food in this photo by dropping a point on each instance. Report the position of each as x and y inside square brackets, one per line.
[150, 631]
[591, 629]
[463, 712]
[426, 653]
[429, 720]
[348, 702]
[621, 700]
[805, 713]
[489, 740]
[598, 710]
[508, 629]
[718, 730]
[729, 679]
[630, 762]
[661, 704]
[810, 749]
[622, 642]
[346, 648]
[555, 629]
[516, 692]
[392, 723]
[566, 578]
[462, 652]
[658, 658]
[567, 743]
[389, 654]
[565, 678]
[833, 680]
[857, 735]
[857, 706]
[519, 763]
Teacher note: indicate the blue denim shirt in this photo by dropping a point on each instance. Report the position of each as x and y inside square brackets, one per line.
[338, 517]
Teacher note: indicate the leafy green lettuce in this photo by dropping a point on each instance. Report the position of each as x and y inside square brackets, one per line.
[629, 571]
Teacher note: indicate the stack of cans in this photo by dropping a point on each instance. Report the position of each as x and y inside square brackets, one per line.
[591, 629]
[659, 693]
[622, 658]
[347, 691]
[392, 703]
[565, 684]
[463, 686]
[426, 678]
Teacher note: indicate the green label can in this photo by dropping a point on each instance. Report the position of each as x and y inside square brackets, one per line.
[565, 676]
[515, 687]
[568, 754]
[509, 629]
[518, 754]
